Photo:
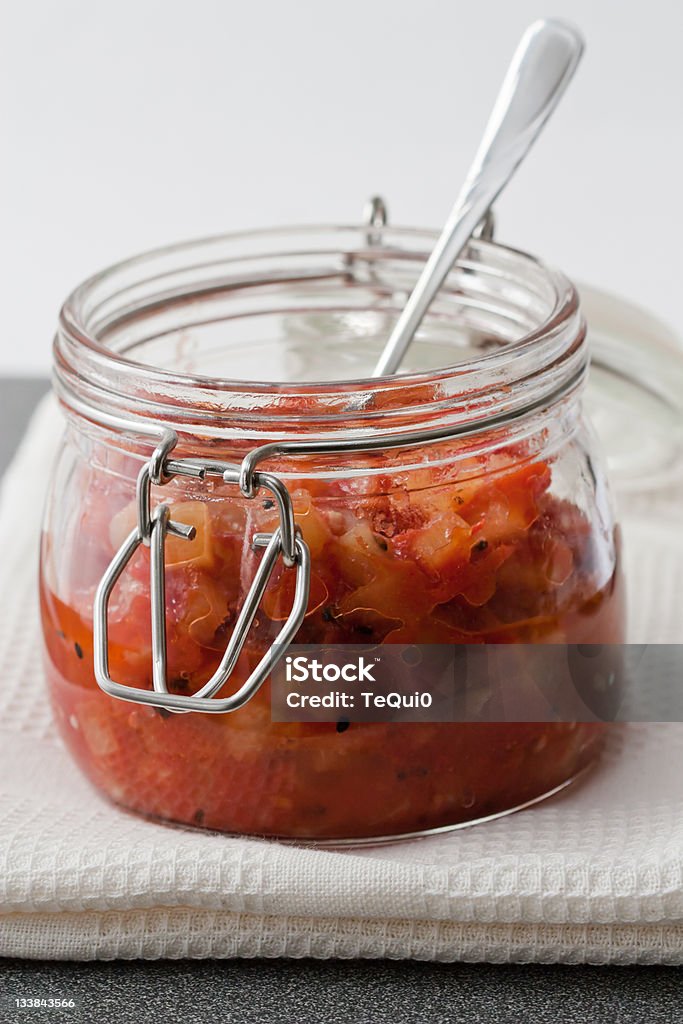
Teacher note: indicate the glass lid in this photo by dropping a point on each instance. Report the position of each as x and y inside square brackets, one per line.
[635, 391]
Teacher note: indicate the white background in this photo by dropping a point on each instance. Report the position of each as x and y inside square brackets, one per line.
[130, 124]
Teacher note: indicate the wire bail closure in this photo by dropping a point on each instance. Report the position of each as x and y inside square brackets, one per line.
[151, 530]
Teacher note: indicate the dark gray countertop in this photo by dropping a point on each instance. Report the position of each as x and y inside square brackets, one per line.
[372, 992]
[349, 991]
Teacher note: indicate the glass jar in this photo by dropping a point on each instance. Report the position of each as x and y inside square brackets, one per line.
[460, 502]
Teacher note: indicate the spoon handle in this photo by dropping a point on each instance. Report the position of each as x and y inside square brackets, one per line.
[541, 68]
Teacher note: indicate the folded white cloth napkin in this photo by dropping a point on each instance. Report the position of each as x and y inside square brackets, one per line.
[593, 875]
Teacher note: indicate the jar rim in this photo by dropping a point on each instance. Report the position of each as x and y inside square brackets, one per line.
[93, 373]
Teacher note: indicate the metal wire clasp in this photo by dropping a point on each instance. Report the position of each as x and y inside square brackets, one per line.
[152, 528]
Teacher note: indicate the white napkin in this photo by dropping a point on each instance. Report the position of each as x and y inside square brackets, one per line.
[593, 875]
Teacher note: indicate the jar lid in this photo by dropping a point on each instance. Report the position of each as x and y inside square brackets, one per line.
[635, 391]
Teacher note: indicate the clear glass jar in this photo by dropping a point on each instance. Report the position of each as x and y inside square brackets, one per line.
[497, 529]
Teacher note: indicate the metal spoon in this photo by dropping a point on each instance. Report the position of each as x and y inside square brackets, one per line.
[541, 68]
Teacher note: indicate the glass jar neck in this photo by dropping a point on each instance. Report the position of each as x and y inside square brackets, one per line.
[511, 327]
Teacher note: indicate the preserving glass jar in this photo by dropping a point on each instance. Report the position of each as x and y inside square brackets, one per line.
[222, 389]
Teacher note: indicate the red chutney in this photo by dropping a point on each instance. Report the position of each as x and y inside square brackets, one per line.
[435, 556]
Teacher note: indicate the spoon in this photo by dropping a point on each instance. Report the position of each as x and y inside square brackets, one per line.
[541, 69]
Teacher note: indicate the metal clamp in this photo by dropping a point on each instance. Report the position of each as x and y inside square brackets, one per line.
[376, 216]
[151, 529]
